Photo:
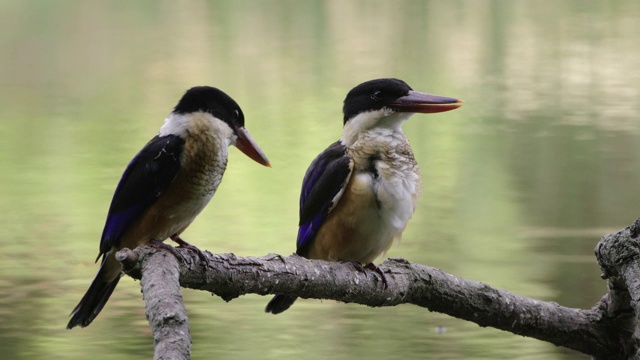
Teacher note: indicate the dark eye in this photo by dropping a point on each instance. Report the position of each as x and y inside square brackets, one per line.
[236, 114]
[376, 96]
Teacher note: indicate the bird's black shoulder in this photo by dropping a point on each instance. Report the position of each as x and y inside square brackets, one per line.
[158, 161]
[325, 172]
[322, 187]
[149, 173]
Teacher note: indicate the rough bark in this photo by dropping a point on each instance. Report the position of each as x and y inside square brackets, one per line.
[619, 258]
[163, 303]
[607, 331]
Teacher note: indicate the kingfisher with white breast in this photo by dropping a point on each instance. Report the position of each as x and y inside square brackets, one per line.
[167, 184]
[358, 195]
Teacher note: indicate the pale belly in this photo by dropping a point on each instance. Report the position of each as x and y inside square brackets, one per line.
[371, 214]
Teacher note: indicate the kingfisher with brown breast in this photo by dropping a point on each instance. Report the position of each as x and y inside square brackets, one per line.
[167, 184]
[358, 195]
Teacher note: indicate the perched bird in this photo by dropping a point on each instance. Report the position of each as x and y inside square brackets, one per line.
[358, 195]
[167, 184]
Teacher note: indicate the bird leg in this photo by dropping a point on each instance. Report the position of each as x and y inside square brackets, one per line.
[183, 244]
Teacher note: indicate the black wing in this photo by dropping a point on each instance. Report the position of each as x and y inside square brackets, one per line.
[147, 176]
[322, 187]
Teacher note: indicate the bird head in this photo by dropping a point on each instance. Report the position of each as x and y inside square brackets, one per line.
[221, 106]
[388, 103]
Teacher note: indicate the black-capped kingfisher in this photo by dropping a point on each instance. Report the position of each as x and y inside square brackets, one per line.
[358, 195]
[167, 184]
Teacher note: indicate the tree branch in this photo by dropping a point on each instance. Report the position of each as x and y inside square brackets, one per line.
[607, 331]
[619, 258]
[163, 302]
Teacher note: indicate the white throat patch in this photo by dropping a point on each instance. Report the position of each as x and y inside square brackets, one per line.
[184, 125]
[383, 118]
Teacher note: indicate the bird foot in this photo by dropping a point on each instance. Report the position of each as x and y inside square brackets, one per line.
[160, 245]
[370, 266]
[356, 265]
[185, 245]
[276, 256]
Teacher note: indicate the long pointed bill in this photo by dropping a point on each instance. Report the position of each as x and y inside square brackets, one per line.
[418, 102]
[249, 147]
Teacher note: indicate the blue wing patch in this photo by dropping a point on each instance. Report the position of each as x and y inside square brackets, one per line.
[148, 174]
[327, 175]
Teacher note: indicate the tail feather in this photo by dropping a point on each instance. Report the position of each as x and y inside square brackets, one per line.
[280, 303]
[96, 297]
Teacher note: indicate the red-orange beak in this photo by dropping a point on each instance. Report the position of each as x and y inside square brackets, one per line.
[249, 147]
[418, 102]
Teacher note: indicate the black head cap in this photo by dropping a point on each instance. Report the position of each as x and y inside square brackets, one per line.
[373, 95]
[213, 101]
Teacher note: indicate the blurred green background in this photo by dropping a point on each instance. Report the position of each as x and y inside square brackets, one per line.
[520, 183]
